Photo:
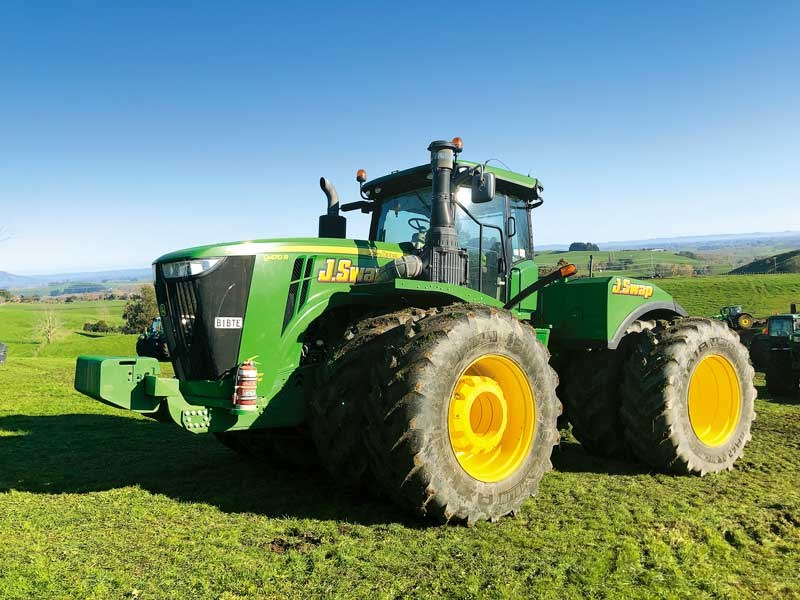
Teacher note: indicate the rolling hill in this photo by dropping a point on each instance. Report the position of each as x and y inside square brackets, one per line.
[787, 262]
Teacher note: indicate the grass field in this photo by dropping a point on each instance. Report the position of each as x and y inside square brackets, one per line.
[761, 295]
[100, 503]
[643, 261]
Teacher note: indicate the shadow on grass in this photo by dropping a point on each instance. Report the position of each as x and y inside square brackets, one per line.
[570, 457]
[82, 453]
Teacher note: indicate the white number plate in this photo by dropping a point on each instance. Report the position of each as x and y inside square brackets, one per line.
[227, 322]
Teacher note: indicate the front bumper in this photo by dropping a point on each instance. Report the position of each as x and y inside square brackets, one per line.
[132, 383]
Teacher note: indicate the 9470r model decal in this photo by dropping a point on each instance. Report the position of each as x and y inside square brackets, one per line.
[624, 287]
[342, 270]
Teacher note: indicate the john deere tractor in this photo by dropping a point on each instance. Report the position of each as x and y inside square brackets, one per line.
[424, 361]
[735, 317]
[781, 360]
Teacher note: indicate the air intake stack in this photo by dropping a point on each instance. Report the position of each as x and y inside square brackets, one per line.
[444, 261]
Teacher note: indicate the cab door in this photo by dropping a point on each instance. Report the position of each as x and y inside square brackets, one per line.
[523, 271]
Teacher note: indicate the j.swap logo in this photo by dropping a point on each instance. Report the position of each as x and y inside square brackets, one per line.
[342, 270]
[624, 287]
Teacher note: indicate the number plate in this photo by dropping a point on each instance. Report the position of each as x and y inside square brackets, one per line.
[227, 322]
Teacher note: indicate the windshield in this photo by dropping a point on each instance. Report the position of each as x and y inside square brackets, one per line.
[781, 327]
[406, 218]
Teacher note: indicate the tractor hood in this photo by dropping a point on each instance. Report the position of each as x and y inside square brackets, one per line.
[316, 246]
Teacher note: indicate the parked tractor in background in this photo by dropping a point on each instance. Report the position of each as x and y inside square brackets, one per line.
[153, 342]
[735, 317]
[775, 334]
[777, 352]
[424, 362]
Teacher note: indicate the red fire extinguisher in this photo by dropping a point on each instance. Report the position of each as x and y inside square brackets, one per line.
[244, 391]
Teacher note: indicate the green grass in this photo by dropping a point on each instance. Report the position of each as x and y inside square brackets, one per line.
[642, 260]
[18, 325]
[100, 503]
[761, 295]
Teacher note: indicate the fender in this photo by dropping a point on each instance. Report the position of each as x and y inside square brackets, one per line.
[660, 310]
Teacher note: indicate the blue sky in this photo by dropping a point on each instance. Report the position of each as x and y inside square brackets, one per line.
[131, 129]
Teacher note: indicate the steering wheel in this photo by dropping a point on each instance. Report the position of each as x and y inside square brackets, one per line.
[419, 224]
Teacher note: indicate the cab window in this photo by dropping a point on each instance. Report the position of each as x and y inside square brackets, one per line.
[781, 327]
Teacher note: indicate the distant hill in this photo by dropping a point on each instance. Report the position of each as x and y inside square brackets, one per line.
[10, 281]
[702, 242]
[787, 262]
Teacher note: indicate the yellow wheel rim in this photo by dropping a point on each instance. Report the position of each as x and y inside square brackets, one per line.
[492, 418]
[715, 400]
[746, 322]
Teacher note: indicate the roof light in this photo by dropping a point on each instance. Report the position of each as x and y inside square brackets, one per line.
[361, 176]
[458, 143]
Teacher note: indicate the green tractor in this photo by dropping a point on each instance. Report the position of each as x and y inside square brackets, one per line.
[780, 347]
[735, 317]
[153, 342]
[424, 362]
[775, 335]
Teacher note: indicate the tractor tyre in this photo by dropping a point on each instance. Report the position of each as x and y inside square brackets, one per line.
[781, 380]
[688, 397]
[279, 447]
[461, 415]
[760, 351]
[744, 321]
[335, 417]
[591, 384]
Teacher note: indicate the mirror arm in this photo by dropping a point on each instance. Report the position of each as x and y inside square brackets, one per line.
[465, 175]
[366, 207]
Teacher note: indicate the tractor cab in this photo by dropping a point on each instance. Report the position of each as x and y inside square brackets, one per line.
[496, 234]
[783, 326]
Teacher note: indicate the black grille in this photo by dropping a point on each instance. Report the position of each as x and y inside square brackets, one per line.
[306, 283]
[189, 307]
[293, 302]
[288, 312]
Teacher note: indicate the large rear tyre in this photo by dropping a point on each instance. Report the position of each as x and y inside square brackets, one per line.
[688, 397]
[744, 321]
[461, 418]
[781, 380]
[590, 388]
[760, 351]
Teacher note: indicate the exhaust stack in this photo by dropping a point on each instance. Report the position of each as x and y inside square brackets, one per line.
[331, 224]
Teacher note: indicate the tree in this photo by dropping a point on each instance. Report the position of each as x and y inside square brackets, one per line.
[583, 247]
[98, 327]
[48, 326]
[140, 310]
[6, 296]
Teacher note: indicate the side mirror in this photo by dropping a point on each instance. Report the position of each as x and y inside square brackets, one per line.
[483, 185]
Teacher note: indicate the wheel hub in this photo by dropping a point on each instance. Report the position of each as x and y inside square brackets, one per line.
[492, 418]
[715, 400]
[479, 414]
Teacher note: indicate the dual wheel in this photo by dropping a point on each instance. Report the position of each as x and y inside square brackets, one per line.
[449, 412]
[675, 396]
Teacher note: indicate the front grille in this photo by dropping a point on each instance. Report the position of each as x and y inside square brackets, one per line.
[189, 307]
